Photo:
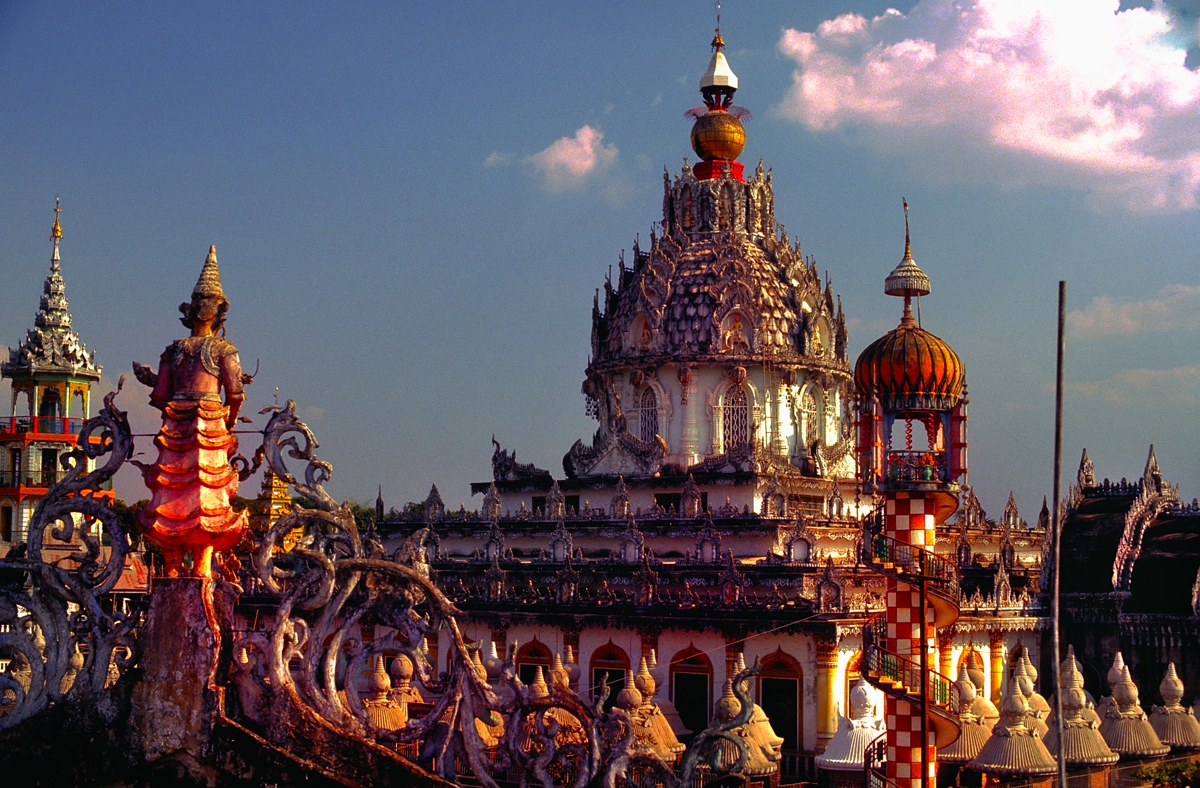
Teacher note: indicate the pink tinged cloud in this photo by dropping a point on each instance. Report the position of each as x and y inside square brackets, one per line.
[1058, 93]
[569, 161]
[1173, 308]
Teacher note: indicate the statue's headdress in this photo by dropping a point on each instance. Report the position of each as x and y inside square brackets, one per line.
[209, 283]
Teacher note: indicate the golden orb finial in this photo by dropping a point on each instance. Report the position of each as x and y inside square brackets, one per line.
[56, 233]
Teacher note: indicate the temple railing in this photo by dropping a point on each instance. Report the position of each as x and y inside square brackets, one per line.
[916, 466]
[41, 425]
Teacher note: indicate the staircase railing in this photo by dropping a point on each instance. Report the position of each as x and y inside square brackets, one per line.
[912, 561]
[905, 673]
[874, 771]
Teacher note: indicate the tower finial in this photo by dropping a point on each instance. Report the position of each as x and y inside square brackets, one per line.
[55, 235]
[718, 43]
[906, 279]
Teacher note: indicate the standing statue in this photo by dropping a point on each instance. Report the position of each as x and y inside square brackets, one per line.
[189, 515]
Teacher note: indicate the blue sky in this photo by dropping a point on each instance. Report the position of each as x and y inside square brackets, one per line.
[413, 204]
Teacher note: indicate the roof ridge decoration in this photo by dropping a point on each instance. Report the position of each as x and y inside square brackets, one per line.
[51, 346]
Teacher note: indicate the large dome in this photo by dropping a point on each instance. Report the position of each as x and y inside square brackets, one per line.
[910, 368]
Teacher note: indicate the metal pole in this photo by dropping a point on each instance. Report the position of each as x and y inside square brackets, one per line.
[1056, 536]
[924, 689]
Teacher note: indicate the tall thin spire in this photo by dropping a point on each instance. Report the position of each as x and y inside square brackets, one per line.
[55, 235]
[906, 279]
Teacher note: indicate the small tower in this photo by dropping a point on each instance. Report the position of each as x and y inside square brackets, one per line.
[52, 374]
[909, 378]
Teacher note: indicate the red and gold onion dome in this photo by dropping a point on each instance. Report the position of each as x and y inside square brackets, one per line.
[909, 368]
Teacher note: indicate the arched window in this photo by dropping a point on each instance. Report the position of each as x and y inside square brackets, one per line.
[609, 666]
[809, 427]
[736, 428]
[529, 657]
[853, 674]
[691, 687]
[648, 415]
[779, 696]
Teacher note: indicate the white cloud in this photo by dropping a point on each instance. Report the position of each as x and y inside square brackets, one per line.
[1019, 91]
[1174, 308]
[1143, 388]
[497, 158]
[568, 161]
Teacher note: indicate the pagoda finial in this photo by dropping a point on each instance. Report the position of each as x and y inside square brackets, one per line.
[906, 279]
[55, 235]
[718, 43]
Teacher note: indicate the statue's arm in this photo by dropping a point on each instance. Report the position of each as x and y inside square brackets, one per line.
[231, 380]
[163, 388]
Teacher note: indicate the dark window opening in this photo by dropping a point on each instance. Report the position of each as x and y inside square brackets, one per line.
[539, 502]
[779, 700]
[690, 696]
[6, 523]
[571, 502]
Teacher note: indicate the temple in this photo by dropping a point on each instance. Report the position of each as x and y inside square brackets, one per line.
[716, 514]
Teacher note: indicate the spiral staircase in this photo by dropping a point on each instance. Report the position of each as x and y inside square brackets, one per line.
[898, 676]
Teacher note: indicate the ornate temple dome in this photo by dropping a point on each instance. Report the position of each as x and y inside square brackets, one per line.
[909, 367]
[722, 316]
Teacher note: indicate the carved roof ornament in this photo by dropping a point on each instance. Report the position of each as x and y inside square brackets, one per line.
[556, 502]
[1152, 477]
[1087, 471]
[51, 345]
[620, 502]
[560, 542]
[505, 467]
[1174, 724]
[492, 503]
[435, 510]
[632, 542]
[689, 505]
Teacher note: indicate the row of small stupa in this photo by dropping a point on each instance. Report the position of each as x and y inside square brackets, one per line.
[1021, 738]
[657, 725]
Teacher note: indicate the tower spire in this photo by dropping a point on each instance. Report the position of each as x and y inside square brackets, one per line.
[907, 279]
[55, 235]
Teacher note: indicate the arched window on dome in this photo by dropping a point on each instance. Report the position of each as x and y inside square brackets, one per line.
[736, 418]
[648, 415]
[809, 426]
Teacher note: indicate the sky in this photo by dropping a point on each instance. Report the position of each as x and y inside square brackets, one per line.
[413, 204]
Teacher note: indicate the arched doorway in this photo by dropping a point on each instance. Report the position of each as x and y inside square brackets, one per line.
[779, 696]
[609, 665]
[530, 657]
[691, 676]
